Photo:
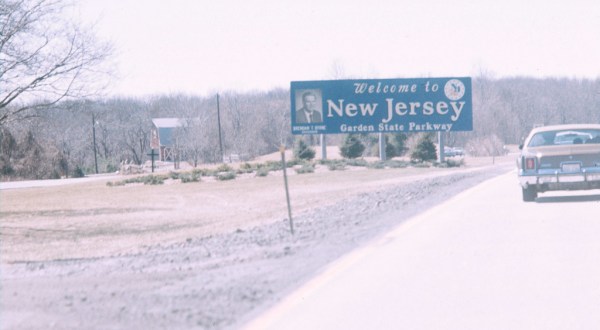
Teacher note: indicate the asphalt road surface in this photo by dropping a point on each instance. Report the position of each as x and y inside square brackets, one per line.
[482, 260]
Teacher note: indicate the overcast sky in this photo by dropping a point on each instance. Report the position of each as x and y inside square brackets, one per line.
[208, 46]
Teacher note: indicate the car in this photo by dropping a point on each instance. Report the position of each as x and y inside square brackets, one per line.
[449, 152]
[559, 157]
[452, 152]
[459, 151]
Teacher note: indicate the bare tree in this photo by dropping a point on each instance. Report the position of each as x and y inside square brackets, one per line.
[277, 131]
[134, 133]
[244, 120]
[337, 70]
[45, 58]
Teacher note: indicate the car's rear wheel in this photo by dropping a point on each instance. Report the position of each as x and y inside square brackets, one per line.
[529, 194]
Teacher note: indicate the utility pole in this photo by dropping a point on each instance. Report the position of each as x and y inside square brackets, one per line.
[219, 122]
[94, 138]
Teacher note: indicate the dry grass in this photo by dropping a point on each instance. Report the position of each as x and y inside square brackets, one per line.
[92, 220]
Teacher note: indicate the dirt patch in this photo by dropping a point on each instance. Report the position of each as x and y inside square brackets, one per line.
[207, 255]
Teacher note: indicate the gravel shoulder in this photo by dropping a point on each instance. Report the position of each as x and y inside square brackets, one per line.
[215, 281]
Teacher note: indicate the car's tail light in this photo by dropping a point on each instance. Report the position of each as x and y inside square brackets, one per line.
[530, 163]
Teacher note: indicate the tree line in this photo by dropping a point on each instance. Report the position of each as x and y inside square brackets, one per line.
[53, 123]
[58, 140]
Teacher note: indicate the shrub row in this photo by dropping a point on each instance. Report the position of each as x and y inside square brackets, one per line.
[225, 172]
[147, 179]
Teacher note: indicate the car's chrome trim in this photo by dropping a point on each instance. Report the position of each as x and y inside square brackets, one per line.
[546, 176]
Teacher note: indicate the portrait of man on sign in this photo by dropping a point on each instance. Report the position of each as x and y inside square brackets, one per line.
[308, 106]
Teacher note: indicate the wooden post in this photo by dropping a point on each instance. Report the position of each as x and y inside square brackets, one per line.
[94, 137]
[287, 192]
[152, 154]
[219, 123]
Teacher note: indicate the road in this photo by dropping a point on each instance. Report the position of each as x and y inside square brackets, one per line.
[483, 260]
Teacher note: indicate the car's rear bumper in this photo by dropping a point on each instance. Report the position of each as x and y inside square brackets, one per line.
[588, 178]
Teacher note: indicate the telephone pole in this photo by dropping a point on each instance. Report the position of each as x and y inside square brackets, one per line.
[219, 122]
[94, 141]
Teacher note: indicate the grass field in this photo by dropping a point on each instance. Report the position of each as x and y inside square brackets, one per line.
[92, 219]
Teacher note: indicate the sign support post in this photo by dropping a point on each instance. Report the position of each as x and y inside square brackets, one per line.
[323, 147]
[382, 155]
[441, 143]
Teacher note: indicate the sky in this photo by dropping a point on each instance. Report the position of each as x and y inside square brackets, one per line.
[202, 47]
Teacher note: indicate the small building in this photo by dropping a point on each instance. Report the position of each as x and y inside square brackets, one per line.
[164, 138]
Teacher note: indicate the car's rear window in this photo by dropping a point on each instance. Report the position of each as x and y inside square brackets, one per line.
[562, 137]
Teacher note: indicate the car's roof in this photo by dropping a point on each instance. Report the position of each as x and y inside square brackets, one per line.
[565, 127]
